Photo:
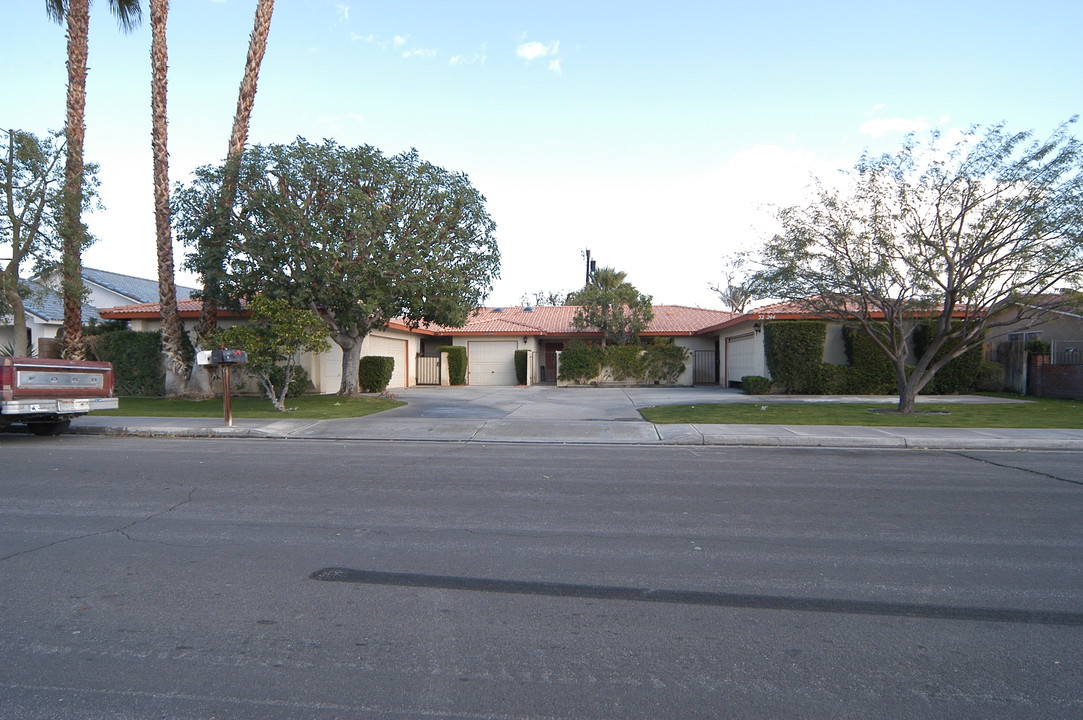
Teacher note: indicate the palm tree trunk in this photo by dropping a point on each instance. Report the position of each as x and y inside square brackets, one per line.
[176, 370]
[199, 380]
[72, 230]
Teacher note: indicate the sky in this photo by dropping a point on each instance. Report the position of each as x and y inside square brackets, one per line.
[661, 136]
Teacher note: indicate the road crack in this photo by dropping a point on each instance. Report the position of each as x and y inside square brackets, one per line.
[1007, 466]
[123, 530]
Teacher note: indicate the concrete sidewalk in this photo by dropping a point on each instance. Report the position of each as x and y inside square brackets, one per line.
[590, 415]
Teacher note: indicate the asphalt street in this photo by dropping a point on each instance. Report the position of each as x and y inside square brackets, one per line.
[190, 578]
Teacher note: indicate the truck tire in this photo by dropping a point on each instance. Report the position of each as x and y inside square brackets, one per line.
[55, 427]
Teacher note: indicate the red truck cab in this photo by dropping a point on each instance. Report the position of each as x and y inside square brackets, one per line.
[46, 394]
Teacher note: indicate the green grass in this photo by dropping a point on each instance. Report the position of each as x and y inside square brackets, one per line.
[309, 407]
[1034, 413]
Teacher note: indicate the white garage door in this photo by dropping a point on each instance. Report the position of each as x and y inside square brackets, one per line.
[492, 363]
[389, 347]
[742, 358]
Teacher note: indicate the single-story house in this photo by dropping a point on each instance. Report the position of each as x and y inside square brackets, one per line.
[491, 336]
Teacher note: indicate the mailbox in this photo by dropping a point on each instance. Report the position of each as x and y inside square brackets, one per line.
[221, 356]
[228, 357]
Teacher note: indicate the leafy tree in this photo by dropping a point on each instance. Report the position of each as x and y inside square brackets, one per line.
[274, 341]
[947, 233]
[75, 15]
[31, 187]
[545, 298]
[613, 306]
[214, 244]
[356, 236]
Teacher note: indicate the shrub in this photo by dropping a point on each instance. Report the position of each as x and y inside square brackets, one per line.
[299, 383]
[520, 366]
[625, 362]
[958, 376]
[664, 362]
[990, 377]
[456, 363]
[580, 362]
[871, 370]
[794, 350]
[136, 359]
[375, 372]
[755, 385]
[1039, 347]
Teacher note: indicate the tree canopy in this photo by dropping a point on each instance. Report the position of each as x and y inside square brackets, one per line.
[613, 306]
[358, 237]
[951, 233]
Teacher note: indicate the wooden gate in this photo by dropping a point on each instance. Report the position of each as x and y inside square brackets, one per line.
[428, 369]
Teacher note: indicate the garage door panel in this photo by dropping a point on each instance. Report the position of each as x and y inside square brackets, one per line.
[492, 363]
[393, 348]
[741, 358]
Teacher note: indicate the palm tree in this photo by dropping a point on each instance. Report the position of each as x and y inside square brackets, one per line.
[199, 380]
[172, 330]
[75, 14]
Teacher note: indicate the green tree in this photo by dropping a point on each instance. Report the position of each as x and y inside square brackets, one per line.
[359, 237]
[274, 341]
[612, 306]
[75, 15]
[947, 233]
[31, 187]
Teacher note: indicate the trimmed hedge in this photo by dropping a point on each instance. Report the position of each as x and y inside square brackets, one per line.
[520, 366]
[871, 371]
[755, 385]
[794, 351]
[958, 376]
[136, 358]
[663, 362]
[375, 372]
[456, 363]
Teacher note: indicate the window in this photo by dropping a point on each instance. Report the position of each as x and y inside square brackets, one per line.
[1024, 336]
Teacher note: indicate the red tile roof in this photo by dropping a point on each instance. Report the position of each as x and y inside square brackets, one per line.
[539, 320]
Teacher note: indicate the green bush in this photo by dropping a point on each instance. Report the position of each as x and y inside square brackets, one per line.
[456, 363]
[136, 359]
[663, 362]
[375, 372]
[990, 377]
[625, 362]
[1039, 347]
[520, 366]
[580, 362]
[755, 385]
[958, 376]
[871, 370]
[794, 350]
[299, 383]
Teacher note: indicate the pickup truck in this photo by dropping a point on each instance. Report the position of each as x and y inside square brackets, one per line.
[44, 394]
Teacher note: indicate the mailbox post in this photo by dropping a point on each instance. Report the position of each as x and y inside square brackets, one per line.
[224, 358]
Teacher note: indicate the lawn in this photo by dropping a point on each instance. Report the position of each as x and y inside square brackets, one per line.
[309, 407]
[1034, 413]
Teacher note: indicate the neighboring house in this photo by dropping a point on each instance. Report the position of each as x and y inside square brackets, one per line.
[45, 304]
[491, 337]
[1058, 374]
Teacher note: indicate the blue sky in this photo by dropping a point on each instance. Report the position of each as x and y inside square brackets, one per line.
[658, 135]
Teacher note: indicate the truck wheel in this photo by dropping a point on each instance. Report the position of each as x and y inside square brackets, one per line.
[57, 427]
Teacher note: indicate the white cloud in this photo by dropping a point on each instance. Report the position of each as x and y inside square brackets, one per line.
[554, 66]
[480, 57]
[400, 40]
[343, 12]
[419, 52]
[534, 50]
